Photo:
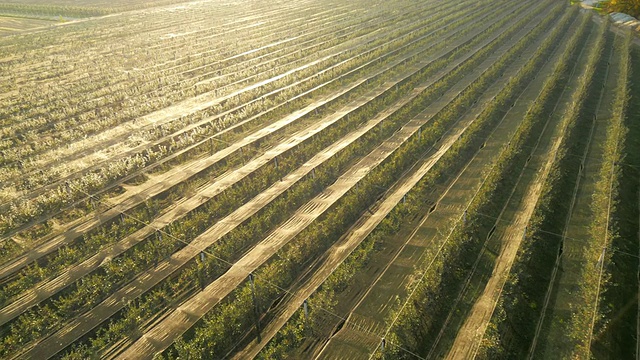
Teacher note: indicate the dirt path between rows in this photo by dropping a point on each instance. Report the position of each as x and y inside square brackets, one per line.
[469, 337]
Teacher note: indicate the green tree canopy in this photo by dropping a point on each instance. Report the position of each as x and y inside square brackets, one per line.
[631, 7]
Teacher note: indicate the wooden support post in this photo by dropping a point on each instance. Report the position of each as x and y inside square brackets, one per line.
[561, 249]
[156, 245]
[201, 279]
[256, 310]
[305, 308]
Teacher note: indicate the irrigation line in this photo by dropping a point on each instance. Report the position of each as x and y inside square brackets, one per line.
[552, 233]
[560, 235]
[624, 253]
[597, 160]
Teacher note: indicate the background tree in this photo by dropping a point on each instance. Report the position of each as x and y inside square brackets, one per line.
[631, 7]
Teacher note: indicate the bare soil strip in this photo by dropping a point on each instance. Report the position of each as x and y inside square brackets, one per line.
[552, 341]
[369, 311]
[179, 174]
[146, 281]
[472, 331]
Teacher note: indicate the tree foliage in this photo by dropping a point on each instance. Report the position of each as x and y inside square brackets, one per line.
[631, 7]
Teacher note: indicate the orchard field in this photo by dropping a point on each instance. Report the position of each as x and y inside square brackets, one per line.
[364, 179]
